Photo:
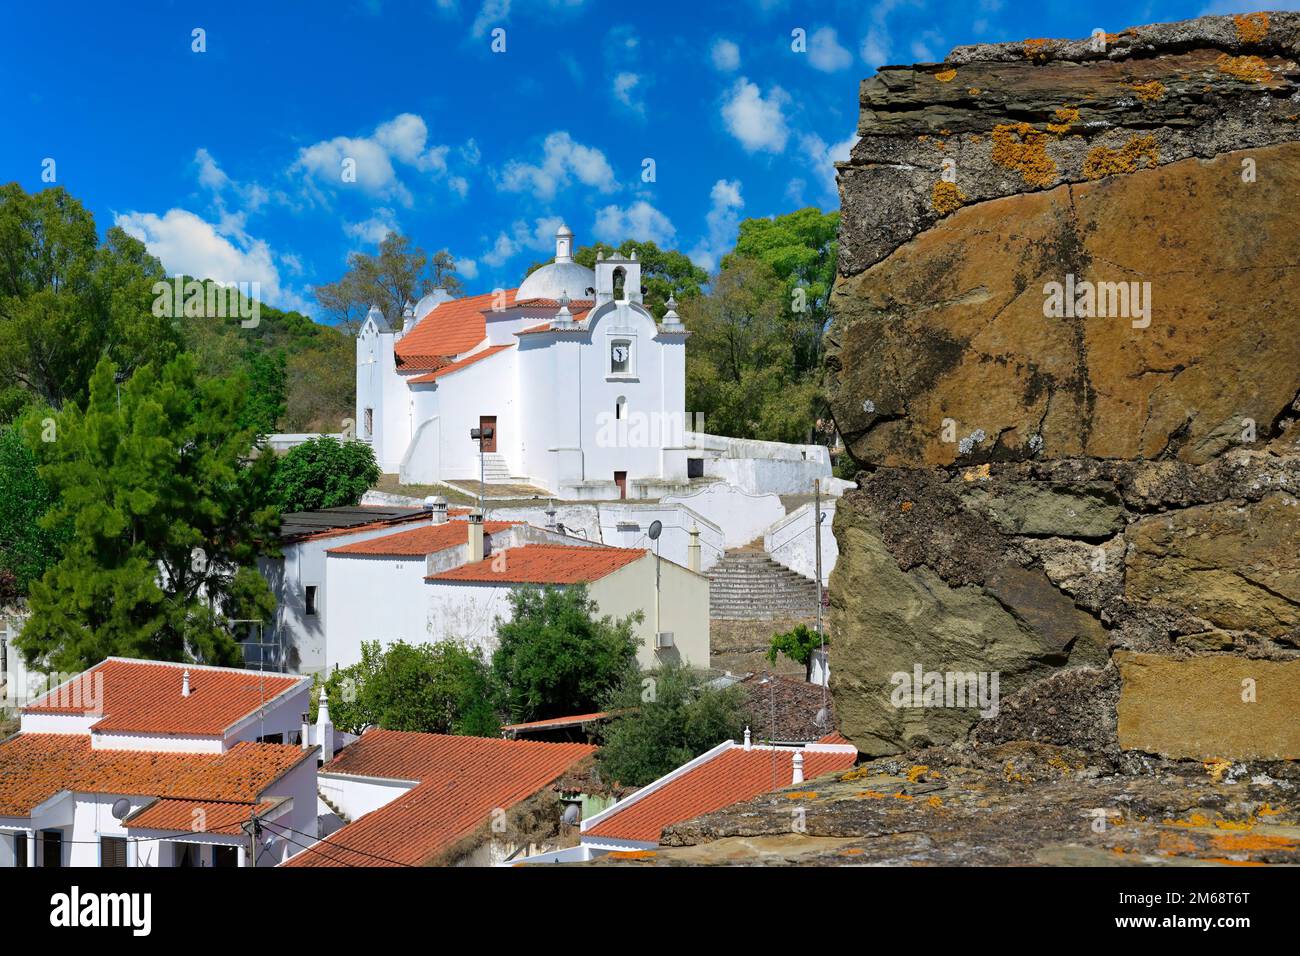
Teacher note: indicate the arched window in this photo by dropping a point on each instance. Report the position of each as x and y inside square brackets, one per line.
[619, 280]
[620, 409]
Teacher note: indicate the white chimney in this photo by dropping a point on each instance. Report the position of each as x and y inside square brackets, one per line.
[798, 767]
[185, 683]
[306, 731]
[436, 505]
[475, 523]
[324, 729]
[693, 550]
[747, 741]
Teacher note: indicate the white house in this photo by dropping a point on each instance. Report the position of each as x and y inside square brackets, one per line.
[451, 580]
[141, 763]
[583, 389]
[729, 773]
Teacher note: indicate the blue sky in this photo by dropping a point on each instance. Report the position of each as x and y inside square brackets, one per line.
[229, 162]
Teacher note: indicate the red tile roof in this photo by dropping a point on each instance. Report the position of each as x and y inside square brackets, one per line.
[734, 775]
[197, 816]
[544, 564]
[548, 327]
[426, 539]
[145, 697]
[447, 331]
[457, 366]
[35, 767]
[463, 781]
[835, 737]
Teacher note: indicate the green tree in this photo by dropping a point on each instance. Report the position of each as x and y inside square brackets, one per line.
[66, 300]
[267, 388]
[670, 715]
[664, 272]
[169, 515]
[798, 645]
[27, 547]
[399, 273]
[740, 367]
[800, 248]
[555, 657]
[323, 473]
[440, 688]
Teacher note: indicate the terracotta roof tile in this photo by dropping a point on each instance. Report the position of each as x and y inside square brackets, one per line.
[35, 767]
[426, 539]
[544, 564]
[731, 777]
[197, 816]
[452, 328]
[145, 697]
[561, 721]
[463, 780]
[457, 366]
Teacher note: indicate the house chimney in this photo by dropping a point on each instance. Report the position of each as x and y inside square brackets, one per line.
[798, 767]
[693, 550]
[306, 731]
[747, 741]
[324, 729]
[436, 505]
[185, 683]
[475, 523]
[550, 516]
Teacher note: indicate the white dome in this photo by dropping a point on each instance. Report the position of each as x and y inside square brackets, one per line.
[558, 278]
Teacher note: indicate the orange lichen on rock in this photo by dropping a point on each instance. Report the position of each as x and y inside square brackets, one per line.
[935, 802]
[1217, 768]
[1251, 841]
[1151, 91]
[1251, 27]
[1065, 117]
[802, 795]
[916, 773]
[1103, 161]
[946, 76]
[1245, 68]
[973, 91]
[631, 854]
[1020, 147]
[1036, 50]
[946, 198]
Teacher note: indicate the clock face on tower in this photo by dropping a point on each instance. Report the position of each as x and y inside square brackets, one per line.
[620, 357]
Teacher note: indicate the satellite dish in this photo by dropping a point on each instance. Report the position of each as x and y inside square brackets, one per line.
[121, 807]
[656, 529]
[572, 814]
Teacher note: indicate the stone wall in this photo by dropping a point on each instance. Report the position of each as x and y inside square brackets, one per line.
[1093, 498]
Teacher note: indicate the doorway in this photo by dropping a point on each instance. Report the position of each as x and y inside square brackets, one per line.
[485, 422]
[620, 479]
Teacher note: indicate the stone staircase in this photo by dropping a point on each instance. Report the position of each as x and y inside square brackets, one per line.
[495, 470]
[747, 585]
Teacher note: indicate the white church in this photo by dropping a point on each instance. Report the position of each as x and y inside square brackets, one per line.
[582, 390]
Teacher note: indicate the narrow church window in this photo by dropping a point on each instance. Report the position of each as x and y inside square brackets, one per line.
[619, 280]
[620, 408]
[311, 599]
[370, 422]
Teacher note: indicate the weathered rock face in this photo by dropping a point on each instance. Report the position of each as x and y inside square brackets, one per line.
[1067, 354]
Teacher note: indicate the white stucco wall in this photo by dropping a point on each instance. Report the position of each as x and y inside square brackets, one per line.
[372, 598]
[791, 541]
[683, 609]
[356, 796]
[741, 516]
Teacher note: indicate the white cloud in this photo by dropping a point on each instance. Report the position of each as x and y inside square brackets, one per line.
[640, 221]
[756, 121]
[186, 243]
[822, 159]
[539, 237]
[371, 159]
[375, 229]
[467, 268]
[877, 45]
[626, 91]
[721, 224]
[726, 55]
[491, 14]
[563, 159]
[825, 52]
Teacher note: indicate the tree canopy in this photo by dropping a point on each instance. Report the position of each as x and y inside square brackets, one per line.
[556, 657]
[670, 716]
[398, 273]
[440, 688]
[27, 547]
[323, 473]
[67, 300]
[168, 515]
